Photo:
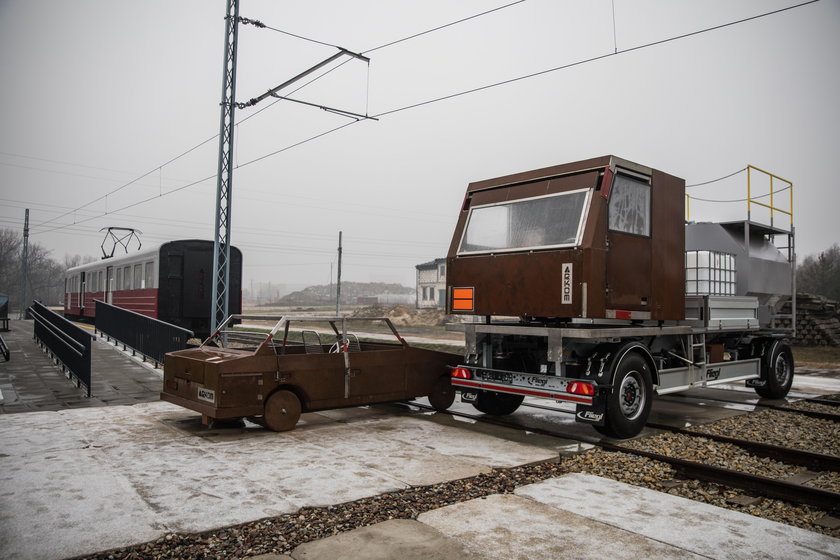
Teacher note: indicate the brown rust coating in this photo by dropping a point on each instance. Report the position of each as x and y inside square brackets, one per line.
[242, 380]
[621, 272]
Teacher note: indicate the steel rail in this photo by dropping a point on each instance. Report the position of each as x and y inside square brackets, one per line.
[768, 487]
[793, 456]
[811, 413]
[827, 402]
[801, 457]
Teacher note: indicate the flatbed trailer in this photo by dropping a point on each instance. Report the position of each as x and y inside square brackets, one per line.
[557, 314]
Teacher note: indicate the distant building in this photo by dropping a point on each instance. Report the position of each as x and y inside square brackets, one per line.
[431, 284]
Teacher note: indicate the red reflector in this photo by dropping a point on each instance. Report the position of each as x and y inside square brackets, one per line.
[461, 373]
[580, 388]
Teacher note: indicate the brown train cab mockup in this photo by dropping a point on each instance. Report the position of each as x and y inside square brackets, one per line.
[599, 239]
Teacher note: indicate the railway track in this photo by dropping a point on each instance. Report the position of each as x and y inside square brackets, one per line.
[787, 490]
[834, 416]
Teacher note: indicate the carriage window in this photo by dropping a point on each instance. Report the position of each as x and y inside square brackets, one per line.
[127, 278]
[534, 223]
[119, 279]
[138, 276]
[630, 206]
[150, 275]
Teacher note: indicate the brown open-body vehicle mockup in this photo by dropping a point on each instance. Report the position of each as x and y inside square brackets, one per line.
[245, 371]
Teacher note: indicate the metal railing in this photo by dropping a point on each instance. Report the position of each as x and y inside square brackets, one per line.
[66, 343]
[149, 337]
[773, 192]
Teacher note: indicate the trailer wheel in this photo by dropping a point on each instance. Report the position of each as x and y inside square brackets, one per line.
[443, 393]
[778, 372]
[497, 404]
[282, 411]
[628, 406]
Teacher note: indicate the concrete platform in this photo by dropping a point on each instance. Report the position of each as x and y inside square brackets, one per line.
[30, 381]
[574, 516]
[695, 527]
[80, 475]
[79, 481]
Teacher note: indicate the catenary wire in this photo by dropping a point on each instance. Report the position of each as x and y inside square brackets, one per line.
[716, 180]
[388, 44]
[438, 28]
[114, 191]
[591, 59]
[436, 100]
[263, 26]
[740, 199]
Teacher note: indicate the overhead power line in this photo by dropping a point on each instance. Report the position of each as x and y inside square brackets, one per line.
[429, 101]
[438, 28]
[118, 189]
[532, 75]
[716, 180]
[126, 207]
[741, 199]
[592, 59]
[259, 24]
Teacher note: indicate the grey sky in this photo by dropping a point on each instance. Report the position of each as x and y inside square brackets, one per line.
[96, 93]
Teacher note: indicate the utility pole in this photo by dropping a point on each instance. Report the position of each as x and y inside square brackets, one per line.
[224, 180]
[338, 281]
[24, 265]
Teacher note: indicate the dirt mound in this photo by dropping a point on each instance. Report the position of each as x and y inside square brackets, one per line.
[402, 315]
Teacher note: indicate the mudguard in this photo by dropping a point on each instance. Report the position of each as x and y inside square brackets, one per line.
[600, 370]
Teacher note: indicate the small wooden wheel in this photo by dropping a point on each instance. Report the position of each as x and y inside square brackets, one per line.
[282, 411]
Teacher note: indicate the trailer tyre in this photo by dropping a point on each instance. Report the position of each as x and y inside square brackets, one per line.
[628, 406]
[443, 393]
[778, 372]
[282, 411]
[497, 404]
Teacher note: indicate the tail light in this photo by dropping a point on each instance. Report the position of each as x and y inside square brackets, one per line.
[461, 373]
[581, 388]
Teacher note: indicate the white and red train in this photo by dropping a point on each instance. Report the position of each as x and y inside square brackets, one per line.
[171, 282]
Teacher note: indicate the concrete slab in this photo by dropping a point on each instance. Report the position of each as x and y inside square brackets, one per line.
[428, 434]
[680, 412]
[510, 527]
[380, 446]
[138, 472]
[489, 450]
[401, 539]
[62, 503]
[703, 529]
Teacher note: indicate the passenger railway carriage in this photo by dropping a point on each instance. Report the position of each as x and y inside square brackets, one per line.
[171, 282]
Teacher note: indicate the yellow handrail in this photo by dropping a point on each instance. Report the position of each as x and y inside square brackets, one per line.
[772, 207]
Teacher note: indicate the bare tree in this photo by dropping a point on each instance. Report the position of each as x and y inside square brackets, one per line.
[45, 277]
[10, 244]
[820, 274]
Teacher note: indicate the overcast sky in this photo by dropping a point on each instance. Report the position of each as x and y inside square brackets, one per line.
[98, 93]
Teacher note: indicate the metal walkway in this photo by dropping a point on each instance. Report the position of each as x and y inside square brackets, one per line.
[30, 381]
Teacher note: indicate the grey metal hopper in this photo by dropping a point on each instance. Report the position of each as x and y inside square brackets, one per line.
[762, 269]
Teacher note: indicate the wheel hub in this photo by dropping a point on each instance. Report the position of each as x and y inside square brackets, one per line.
[631, 396]
[782, 369]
